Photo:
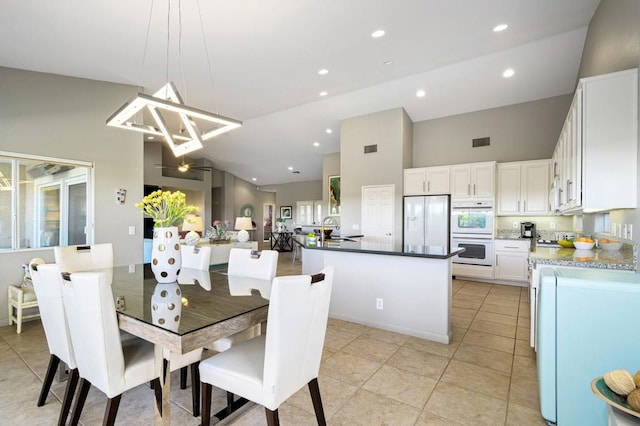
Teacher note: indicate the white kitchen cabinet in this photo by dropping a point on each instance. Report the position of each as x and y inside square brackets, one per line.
[512, 260]
[523, 188]
[474, 180]
[426, 180]
[596, 154]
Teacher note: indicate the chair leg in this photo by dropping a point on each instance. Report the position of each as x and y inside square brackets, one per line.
[195, 388]
[229, 402]
[206, 404]
[111, 410]
[314, 389]
[157, 389]
[19, 317]
[80, 399]
[183, 377]
[48, 379]
[68, 397]
[272, 417]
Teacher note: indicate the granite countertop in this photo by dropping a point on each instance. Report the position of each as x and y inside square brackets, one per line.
[373, 246]
[626, 259]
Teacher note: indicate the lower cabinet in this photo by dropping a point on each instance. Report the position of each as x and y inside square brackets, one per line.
[512, 260]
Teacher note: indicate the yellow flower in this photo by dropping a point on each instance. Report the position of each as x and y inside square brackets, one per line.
[165, 208]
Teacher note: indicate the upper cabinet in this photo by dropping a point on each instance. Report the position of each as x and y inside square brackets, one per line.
[475, 180]
[595, 160]
[523, 188]
[426, 181]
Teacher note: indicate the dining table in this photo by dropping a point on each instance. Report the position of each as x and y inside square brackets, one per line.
[198, 309]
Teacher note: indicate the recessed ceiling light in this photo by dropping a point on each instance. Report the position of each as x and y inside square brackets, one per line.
[290, 168]
[509, 72]
[387, 62]
[254, 179]
[323, 93]
[421, 93]
[500, 27]
[377, 33]
[316, 144]
[323, 71]
[329, 131]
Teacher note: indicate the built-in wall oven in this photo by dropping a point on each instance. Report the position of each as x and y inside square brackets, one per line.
[478, 251]
[472, 217]
[472, 229]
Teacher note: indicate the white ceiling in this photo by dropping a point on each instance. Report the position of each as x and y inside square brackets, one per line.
[265, 56]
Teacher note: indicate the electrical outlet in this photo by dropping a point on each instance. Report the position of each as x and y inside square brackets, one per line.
[379, 303]
[515, 225]
[552, 225]
[355, 227]
[132, 269]
[630, 231]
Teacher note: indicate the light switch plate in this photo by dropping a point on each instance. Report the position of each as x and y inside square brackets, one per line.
[132, 230]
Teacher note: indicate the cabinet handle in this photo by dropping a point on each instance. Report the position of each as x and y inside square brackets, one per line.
[428, 186]
[423, 186]
[468, 189]
[555, 169]
[524, 207]
[560, 191]
[474, 189]
[513, 247]
[569, 190]
[518, 209]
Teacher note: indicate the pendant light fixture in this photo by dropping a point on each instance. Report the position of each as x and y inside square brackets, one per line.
[166, 105]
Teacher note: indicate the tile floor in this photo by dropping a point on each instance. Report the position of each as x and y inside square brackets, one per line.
[368, 376]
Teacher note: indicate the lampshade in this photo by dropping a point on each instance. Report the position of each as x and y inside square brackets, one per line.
[243, 223]
[192, 223]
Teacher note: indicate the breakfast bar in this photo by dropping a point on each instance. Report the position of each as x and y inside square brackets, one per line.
[404, 289]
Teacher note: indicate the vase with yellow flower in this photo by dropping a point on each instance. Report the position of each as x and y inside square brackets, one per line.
[168, 210]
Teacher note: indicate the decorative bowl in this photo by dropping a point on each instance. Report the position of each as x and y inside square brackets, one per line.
[565, 243]
[610, 246]
[583, 246]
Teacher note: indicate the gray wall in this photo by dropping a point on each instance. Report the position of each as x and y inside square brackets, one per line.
[287, 194]
[526, 131]
[64, 117]
[391, 131]
[246, 193]
[613, 44]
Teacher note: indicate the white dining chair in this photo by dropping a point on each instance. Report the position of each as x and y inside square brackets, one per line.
[84, 257]
[195, 257]
[270, 368]
[251, 264]
[104, 361]
[47, 283]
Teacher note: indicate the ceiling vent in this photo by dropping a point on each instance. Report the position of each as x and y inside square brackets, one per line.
[475, 143]
[368, 149]
[46, 169]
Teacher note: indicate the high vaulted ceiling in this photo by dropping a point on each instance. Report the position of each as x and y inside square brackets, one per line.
[261, 60]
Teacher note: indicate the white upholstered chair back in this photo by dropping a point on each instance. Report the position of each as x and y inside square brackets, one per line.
[84, 258]
[47, 283]
[94, 331]
[296, 326]
[195, 257]
[264, 267]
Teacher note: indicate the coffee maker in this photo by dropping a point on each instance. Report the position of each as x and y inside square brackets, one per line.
[527, 230]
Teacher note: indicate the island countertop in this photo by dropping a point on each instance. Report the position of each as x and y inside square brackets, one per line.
[374, 246]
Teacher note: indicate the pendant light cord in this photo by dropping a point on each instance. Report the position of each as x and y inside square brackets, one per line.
[206, 50]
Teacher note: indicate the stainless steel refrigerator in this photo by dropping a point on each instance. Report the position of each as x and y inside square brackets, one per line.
[427, 221]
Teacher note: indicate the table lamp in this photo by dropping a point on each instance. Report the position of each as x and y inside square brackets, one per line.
[242, 224]
[193, 224]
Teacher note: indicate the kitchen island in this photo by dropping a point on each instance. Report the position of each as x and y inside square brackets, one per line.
[388, 286]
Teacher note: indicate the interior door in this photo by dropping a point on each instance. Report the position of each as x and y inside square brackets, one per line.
[267, 221]
[377, 211]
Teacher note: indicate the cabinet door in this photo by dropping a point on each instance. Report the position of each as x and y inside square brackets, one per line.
[483, 180]
[511, 266]
[414, 182]
[509, 189]
[535, 188]
[461, 181]
[437, 180]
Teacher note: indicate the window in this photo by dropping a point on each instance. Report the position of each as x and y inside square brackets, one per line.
[44, 202]
[309, 212]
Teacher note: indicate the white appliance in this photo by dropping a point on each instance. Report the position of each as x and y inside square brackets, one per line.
[472, 217]
[478, 251]
[587, 326]
[427, 221]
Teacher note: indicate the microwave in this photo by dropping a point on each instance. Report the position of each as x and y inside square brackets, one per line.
[472, 218]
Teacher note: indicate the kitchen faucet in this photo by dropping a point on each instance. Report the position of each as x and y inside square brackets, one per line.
[332, 222]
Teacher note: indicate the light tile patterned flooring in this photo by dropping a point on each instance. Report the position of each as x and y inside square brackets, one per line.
[368, 376]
